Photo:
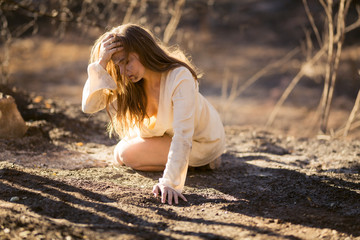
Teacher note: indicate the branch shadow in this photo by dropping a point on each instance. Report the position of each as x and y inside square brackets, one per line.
[283, 194]
[197, 199]
[58, 200]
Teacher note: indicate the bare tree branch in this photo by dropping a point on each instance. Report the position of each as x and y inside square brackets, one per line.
[6, 37]
[174, 21]
[292, 85]
[340, 34]
[356, 24]
[262, 72]
[352, 115]
[129, 11]
[312, 22]
[330, 49]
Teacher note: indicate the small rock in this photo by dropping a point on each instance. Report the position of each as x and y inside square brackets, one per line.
[14, 199]
[12, 125]
[24, 234]
[278, 221]
[6, 230]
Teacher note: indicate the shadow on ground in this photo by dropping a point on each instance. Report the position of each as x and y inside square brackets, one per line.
[284, 195]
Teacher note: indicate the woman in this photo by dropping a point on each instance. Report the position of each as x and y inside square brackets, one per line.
[151, 95]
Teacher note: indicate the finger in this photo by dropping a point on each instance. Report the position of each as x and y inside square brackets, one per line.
[182, 197]
[176, 198]
[107, 43]
[163, 196]
[155, 190]
[114, 50]
[109, 40]
[170, 197]
[117, 45]
[109, 36]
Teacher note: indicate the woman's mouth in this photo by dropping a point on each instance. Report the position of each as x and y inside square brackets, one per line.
[132, 78]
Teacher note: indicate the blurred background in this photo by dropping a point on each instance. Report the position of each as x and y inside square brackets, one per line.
[289, 66]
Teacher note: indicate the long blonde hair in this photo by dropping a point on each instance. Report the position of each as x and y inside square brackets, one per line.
[131, 97]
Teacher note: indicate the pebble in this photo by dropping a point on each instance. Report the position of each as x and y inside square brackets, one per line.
[24, 234]
[6, 230]
[14, 199]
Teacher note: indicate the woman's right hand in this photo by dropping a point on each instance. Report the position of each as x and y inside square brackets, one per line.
[108, 47]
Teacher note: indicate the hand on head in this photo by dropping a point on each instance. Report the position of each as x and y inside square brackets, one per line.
[109, 45]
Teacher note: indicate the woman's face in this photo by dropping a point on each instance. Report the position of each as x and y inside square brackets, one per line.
[131, 66]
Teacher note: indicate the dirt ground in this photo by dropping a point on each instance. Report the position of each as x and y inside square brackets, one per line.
[283, 182]
[57, 182]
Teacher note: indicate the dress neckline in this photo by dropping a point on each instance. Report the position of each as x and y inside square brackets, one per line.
[158, 114]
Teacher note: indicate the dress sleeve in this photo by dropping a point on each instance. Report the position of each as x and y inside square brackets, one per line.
[183, 100]
[97, 84]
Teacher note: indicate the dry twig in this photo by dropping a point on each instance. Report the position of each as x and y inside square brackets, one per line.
[262, 72]
[6, 38]
[352, 115]
[292, 85]
[129, 11]
[174, 21]
[340, 34]
[330, 49]
[312, 22]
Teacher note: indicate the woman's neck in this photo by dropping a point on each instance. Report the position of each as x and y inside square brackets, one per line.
[152, 80]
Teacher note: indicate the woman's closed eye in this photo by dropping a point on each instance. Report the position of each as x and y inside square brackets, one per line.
[122, 62]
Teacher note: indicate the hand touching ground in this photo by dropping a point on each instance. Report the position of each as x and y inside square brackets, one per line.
[167, 192]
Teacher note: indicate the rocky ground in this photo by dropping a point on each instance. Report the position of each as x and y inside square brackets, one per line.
[57, 183]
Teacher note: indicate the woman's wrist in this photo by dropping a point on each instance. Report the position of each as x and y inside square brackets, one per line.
[103, 63]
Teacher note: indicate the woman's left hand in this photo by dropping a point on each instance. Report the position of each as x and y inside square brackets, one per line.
[168, 192]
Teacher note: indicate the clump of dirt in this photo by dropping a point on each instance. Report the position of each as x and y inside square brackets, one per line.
[57, 182]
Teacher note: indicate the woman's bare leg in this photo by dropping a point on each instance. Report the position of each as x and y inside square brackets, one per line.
[144, 154]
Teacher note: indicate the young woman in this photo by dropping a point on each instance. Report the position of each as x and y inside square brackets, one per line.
[151, 95]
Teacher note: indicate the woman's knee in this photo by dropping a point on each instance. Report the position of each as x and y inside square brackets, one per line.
[119, 153]
[140, 154]
[124, 155]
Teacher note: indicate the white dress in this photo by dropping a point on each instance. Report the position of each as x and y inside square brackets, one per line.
[197, 132]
